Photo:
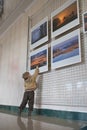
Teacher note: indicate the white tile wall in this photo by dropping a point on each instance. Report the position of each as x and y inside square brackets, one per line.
[66, 86]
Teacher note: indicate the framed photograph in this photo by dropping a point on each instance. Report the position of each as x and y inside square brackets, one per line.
[1, 7]
[64, 18]
[39, 33]
[39, 58]
[85, 22]
[66, 50]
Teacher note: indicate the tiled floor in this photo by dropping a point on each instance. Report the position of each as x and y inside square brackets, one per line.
[11, 122]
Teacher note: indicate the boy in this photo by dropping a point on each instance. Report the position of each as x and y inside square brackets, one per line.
[30, 86]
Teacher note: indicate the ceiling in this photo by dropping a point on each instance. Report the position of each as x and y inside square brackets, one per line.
[12, 9]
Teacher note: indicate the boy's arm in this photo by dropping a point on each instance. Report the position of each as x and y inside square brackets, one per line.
[36, 72]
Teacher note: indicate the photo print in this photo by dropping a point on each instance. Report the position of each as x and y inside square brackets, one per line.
[64, 18]
[39, 58]
[39, 33]
[66, 50]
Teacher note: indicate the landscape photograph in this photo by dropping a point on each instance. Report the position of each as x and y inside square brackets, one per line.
[39, 59]
[85, 22]
[66, 49]
[65, 16]
[39, 33]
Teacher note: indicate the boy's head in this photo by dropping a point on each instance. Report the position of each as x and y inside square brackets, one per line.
[25, 75]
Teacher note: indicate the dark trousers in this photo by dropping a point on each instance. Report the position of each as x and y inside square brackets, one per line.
[27, 98]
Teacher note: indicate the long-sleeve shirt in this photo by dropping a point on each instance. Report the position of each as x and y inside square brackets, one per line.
[30, 83]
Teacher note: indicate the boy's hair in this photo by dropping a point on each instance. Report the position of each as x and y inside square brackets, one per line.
[25, 75]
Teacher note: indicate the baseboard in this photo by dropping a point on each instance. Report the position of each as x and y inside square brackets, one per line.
[46, 112]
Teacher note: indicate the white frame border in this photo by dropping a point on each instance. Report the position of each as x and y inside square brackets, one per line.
[68, 61]
[67, 26]
[42, 40]
[44, 68]
[84, 22]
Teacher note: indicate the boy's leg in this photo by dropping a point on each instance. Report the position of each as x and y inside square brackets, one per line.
[31, 102]
[24, 102]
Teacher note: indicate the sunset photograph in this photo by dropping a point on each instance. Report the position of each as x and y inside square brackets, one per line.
[64, 17]
[39, 59]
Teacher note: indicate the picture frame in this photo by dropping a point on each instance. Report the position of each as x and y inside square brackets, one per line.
[84, 17]
[65, 18]
[1, 7]
[39, 33]
[39, 57]
[66, 50]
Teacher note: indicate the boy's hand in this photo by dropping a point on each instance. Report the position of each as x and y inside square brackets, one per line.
[37, 67]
